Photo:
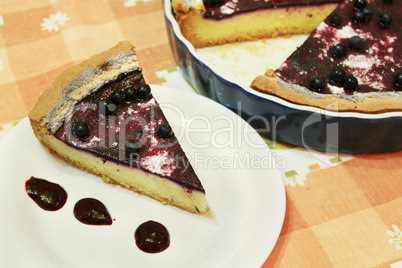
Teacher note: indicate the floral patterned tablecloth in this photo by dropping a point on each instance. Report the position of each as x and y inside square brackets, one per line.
[342, 210]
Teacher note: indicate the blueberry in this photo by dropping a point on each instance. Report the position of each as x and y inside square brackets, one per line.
[143, 91]
[81, 130]
[350, 83]
[356, 42]
[398, 79]
[385, 19]
[360, 4]
[214, 2]
[105, 108]
[317, 85]
[367, 14]
[339, 50]
[165, 130]
[130, 93]
[338, 75]
[102, 104]
[132, 148]
[358, 16]
[117, 97]
[388, 1]
[336, 20]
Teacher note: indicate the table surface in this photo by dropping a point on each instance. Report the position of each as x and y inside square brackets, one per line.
[342, 210]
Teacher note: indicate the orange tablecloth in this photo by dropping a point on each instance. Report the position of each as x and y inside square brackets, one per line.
[345, 215]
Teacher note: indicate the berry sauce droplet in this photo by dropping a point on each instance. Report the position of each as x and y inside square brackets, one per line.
[47, 195]
[152, 237]
[92, 211]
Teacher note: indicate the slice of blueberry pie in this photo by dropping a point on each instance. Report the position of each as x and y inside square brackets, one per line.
[350, 62]
[101, 116]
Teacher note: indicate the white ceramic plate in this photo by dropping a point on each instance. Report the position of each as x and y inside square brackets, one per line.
[244, 190]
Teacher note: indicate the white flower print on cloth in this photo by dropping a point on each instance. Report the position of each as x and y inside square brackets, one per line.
[396, 237]
[54, 22]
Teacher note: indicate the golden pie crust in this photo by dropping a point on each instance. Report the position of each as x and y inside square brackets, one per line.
[371, 103]
[51, 96]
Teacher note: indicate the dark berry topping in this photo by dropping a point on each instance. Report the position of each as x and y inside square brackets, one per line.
[165, 131]
[152, 237]
[143, 91]
[338, 75]
[367, 14]
[81, 130]
[360, 4]
[317, 84]
[398, 79]
[336, 20]
[214, 2]
[388, 1]
[350, 83]
[132, 148]
[385, 19]
[356, 43]
[106, 108]
[92, 211]
[47, 195]
[117, 97]
[358, 16]
[130, 93]
[339, 50]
